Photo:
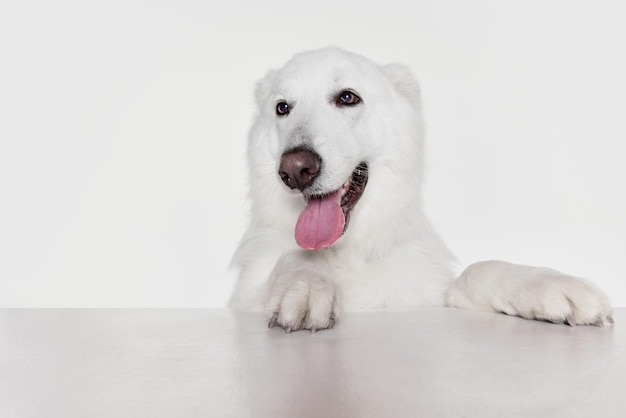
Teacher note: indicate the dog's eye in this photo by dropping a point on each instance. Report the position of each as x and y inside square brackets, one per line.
[348, 98]
[282, 109]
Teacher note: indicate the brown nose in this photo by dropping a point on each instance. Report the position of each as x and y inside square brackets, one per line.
[299, 168]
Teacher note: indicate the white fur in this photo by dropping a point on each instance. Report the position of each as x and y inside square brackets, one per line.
[390, 257]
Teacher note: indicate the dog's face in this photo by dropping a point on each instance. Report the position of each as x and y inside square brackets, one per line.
[325, 120]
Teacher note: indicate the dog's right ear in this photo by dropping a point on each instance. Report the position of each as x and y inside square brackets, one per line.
[264, 87]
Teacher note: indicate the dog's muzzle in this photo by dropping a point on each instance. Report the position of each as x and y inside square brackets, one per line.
[325, 217]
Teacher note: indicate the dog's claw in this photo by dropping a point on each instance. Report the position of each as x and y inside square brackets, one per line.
[272, 322]
[331, 320]
[605, 321]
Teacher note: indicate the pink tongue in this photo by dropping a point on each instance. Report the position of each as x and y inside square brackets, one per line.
[321, 222]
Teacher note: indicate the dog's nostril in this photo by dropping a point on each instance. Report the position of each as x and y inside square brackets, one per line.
[285, 178]
[299, 168]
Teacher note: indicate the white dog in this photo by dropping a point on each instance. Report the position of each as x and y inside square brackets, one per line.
[336, 163]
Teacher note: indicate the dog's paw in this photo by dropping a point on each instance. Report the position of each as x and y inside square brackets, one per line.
[564, 299]
[302, 303]
[530, 292]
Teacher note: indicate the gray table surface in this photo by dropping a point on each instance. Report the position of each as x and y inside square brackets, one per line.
[217, 363]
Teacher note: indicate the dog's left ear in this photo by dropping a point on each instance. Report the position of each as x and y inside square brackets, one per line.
[404, 81]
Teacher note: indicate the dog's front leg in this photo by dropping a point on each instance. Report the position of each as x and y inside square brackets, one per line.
[302, 294]
[530, 292]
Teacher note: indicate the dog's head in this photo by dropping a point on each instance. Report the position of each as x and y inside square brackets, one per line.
[334, 125]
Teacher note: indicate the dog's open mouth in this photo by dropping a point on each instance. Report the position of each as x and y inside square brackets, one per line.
[326, 217]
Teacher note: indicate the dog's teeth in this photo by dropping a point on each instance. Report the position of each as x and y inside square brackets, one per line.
[345, 188]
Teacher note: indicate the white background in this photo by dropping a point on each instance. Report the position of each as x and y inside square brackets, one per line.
[123, 124]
